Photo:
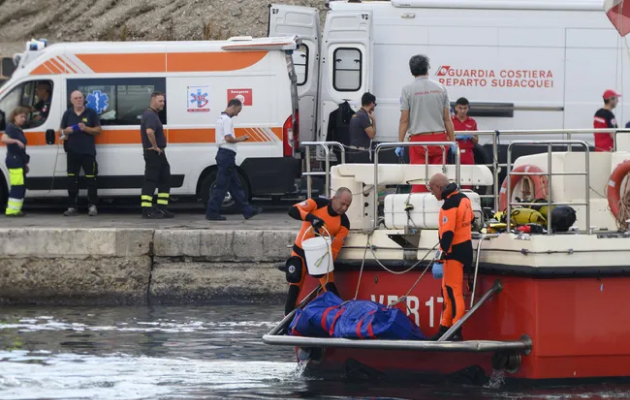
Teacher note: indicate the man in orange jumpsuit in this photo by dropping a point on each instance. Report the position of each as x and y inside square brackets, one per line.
[455, 252]
[317, 213]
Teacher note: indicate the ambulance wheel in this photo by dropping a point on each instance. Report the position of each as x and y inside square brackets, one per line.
[229, 205]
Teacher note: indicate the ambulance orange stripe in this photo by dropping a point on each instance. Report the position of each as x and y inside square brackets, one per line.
[277, 132]
[191, 135]
[115, 63]
[253, 135]
[217, 61]
[262, 133]
[41, 70]
[54, 68]
[66, 64]
[62, 69]
[132, 136]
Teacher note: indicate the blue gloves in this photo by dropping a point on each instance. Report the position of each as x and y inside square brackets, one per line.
[464, 137]
[400, 151]
[438, 270]
[453, 149]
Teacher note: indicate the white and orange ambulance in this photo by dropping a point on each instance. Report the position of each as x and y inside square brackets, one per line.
[198, 78]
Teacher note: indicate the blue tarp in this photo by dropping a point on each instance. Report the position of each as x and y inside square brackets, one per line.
[329, 316]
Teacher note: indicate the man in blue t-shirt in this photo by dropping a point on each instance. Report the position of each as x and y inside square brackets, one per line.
[79, 126]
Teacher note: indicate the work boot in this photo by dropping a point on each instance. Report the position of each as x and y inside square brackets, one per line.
[255, 211]
[149, 213]
[455, 337]
[217, 217]
[71, 212]
[166, 213]
[92, 211]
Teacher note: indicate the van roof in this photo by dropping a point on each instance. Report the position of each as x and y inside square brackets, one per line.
[560, 5]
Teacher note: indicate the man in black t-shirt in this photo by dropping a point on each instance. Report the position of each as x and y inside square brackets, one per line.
[157, 170]
[79, 126]
[362, 131]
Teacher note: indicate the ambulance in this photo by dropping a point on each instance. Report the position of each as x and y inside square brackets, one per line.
[522, 64]
[198, 78]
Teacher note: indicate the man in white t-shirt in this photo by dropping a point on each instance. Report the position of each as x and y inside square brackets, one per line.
[227, 175]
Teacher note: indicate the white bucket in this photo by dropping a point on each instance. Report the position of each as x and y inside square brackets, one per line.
[318, 254]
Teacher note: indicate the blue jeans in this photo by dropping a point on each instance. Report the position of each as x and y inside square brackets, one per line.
[227, 180]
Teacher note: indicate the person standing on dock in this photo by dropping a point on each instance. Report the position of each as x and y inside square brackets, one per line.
[80, 125]
[425, 114]
[466, 143]
[363, 131]
[157, 170]
[228, 179]
[456, 251]
[316, 213]
[17, 160]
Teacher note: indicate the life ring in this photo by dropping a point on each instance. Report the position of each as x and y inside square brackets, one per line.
[613, 188]
[539, 181]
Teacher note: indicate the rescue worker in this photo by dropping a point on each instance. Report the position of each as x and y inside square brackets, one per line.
[455, 252]
[227, 175]
[362, 131]
[605, 119]
[462, 122]
[42, 107]
[157, 170]
[316, 213]
[80, 125]
[17, 160]
[425, 116]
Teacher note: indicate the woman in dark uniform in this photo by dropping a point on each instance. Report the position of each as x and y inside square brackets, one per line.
[17, 160]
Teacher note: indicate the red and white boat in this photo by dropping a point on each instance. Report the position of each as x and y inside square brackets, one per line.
[541, 306]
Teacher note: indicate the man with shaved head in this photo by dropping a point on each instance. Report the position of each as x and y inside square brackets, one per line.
[79, 126]
[318, 213]
[456, 252]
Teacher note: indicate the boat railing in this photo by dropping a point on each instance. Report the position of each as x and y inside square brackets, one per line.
[326, 147]
[550, 174]
[495, 166]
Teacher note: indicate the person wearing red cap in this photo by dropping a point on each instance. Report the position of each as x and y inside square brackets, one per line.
[605, 119]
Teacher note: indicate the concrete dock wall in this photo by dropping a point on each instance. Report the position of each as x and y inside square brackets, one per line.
[111, 266]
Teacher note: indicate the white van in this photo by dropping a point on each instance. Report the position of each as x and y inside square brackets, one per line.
[523, 64]
[198, 78]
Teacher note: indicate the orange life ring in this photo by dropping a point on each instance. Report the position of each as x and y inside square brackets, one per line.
[539, 181]
[613, 188]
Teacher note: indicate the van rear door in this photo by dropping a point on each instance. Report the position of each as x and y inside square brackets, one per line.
[304, 22]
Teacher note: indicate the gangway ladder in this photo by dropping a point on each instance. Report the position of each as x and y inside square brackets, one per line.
[549, 174]
[326, 146]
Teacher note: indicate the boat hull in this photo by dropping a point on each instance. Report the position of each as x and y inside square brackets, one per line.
[578, 326]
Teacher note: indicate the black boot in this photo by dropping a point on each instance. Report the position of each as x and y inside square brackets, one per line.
[439, 333]
[149, 213]
[165, 212]
[455, 337]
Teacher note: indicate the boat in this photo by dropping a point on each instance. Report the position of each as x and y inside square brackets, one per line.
[540, 306]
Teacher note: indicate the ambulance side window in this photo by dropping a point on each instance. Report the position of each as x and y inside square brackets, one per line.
[119, 101]
[36, 95]
[300, 63]
[347, 69]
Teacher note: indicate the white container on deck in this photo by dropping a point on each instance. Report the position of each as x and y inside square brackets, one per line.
[425, 212]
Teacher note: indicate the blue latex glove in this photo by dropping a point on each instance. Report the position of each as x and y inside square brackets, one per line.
[453, 149]
[464, 137]
[438, 270]
[400, 151]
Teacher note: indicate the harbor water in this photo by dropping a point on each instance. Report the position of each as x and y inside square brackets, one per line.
[200, 352]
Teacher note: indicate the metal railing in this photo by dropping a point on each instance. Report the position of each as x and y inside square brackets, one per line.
[549, 174]
[425, 145]
[309, 174]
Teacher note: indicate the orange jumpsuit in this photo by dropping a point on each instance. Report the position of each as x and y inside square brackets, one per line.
[337, 225]
[455, 233]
